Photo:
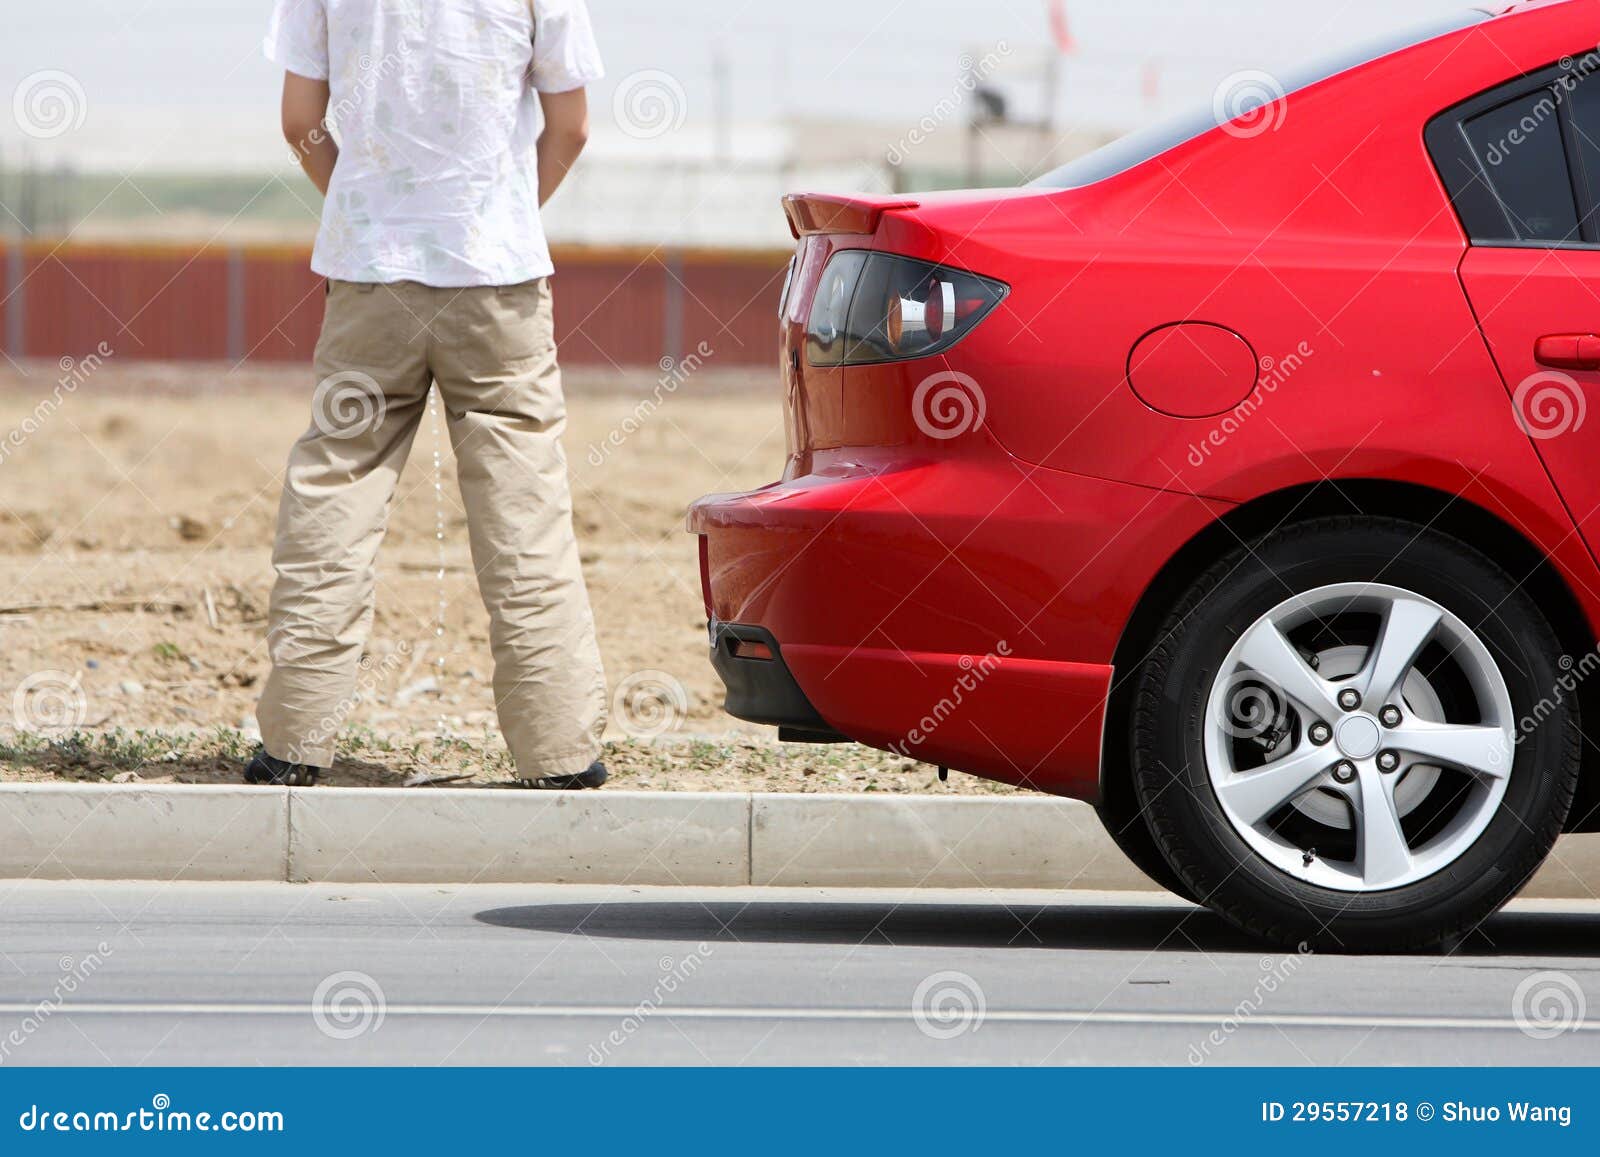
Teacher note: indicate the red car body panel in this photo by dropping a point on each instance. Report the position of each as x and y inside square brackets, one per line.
[1522, 295]
[882, 576]
[895, 564]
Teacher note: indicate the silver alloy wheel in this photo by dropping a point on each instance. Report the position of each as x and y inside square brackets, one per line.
[1414, 781]
[1266, 677]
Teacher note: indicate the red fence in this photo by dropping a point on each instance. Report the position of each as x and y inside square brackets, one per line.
[614, 307]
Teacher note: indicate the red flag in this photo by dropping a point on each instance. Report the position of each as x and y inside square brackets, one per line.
[1060, 29]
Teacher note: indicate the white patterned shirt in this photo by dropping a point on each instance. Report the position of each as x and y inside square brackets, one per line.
[435, 106]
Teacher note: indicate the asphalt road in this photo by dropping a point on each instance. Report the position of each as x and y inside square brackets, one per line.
[141, 974]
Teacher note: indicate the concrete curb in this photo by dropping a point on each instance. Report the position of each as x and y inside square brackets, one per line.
[460, 836]
[103, 832]
[427, 836]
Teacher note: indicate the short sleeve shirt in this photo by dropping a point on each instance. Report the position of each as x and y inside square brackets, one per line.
[434, 104]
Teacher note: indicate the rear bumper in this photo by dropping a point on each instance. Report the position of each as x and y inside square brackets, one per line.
[1032, 723]
[1035, 724]
[962, 612]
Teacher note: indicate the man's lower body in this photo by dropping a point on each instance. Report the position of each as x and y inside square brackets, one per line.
[492, 353]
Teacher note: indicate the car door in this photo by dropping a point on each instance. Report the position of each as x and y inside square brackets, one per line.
[1522, 164]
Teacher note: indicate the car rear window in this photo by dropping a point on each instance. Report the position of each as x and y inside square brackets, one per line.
[1136, 148]
[1534, 193]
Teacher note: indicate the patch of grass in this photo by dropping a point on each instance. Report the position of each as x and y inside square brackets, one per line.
[94, 754]
[363, 757]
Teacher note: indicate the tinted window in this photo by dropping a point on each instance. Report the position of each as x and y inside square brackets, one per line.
[1522, 161]
[1519, 149]
[1136, 148]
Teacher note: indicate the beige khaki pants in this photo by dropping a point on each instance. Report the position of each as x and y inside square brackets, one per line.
[492, 353]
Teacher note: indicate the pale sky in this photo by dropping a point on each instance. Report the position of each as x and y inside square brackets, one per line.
[184, 79]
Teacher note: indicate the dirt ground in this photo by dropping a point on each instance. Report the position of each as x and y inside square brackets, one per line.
[136, 519]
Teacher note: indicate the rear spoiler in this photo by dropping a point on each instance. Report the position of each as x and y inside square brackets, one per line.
[810, 213]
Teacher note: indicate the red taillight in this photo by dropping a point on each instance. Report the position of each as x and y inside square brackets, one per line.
[970, 307]
[877, 307]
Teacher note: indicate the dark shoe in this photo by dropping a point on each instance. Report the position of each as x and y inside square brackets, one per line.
[265, 769]
[593, 776]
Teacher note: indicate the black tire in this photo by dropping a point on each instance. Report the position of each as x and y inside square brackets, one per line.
[1186, 819]
[1125, 823]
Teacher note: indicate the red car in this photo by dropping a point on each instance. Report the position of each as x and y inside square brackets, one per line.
[1236, 478]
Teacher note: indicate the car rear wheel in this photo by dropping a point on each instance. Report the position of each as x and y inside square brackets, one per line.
[1131, 833]
[1354, 735]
